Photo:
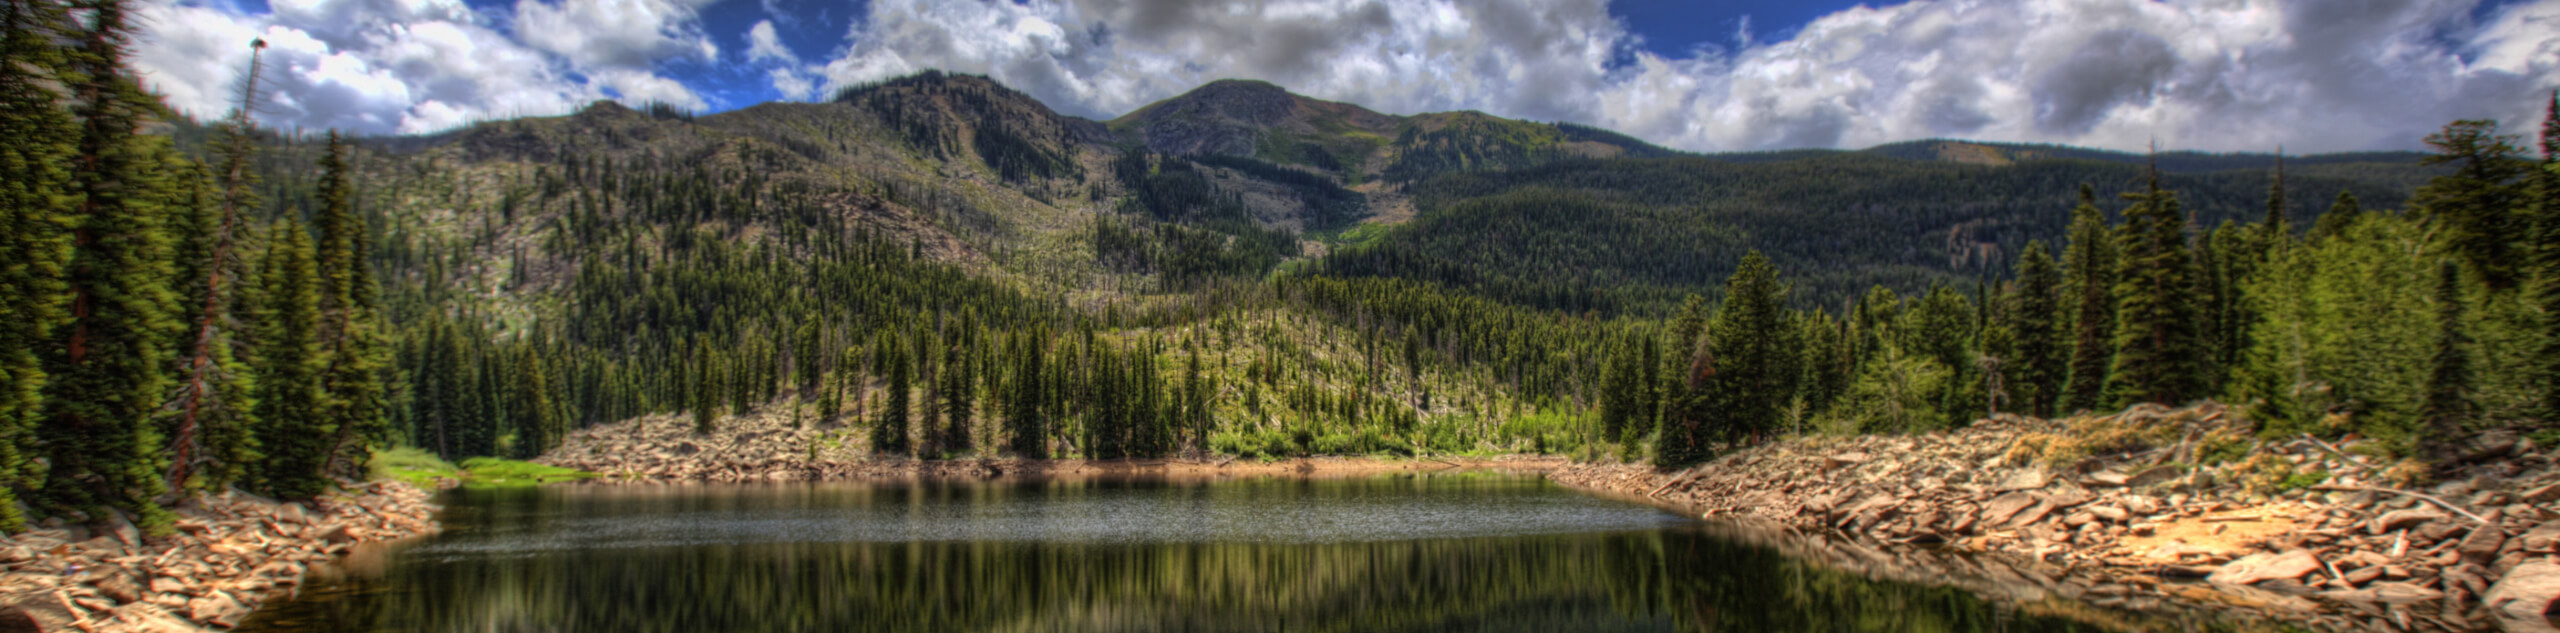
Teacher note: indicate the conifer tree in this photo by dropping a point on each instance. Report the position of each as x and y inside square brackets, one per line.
[35, 212]
[2448, 400]
[351, 328]
[2546, 218]
[539, 425]
[890, 435]
[957, 391]
[2342, 212]
[2476, 204]
[292, 399]
[107, 373]
[213, 424]
[706, 388]
[1025, 410]
[2089, 265]
[2042, 349]
[2158, 346]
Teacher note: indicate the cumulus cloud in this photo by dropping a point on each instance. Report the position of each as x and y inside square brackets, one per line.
[2316, 75]
[410, 66]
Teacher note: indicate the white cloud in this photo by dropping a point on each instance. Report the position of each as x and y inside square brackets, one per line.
[2314, 75]
[615, 33]
[763, 44]
[395, 66]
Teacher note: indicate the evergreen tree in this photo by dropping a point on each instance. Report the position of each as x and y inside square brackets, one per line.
[351, 328]
[539, 425]
[2342, 213]
[1753, 347]
[2042, 352]
[2476, 204]
[1025, 407]
[2546, 217]
[107, 371]
[213, 426]
[2089, 265]
[2159, 351]
[35, 212]
[1622, 391]
[291, 404]
[2448, 398]
[706, 388]
[890, 435]
[958, 394]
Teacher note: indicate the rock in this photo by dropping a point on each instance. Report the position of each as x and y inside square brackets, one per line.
[35, 614]
[2105, 479]
[2108, 513]
[1999, 509]
[2545, 492]
[2153, 476]
[2391, 592]
[340, 533]
[120, 587]
[2528, 590]
[2400, 519]
[2483, 543]
[2363, 575]
[2026, 479]
[1840, 460]
[218, 609]
[123, 530]
[167, 584]
[2262, 566]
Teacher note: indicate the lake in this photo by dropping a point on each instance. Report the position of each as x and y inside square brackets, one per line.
[1441, 552]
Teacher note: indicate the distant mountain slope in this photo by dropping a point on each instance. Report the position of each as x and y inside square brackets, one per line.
[1636, 234]
[1265, 122]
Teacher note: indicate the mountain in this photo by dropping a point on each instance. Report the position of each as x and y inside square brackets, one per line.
[1258, 120]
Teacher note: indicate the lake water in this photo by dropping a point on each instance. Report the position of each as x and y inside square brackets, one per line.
[1455, 552]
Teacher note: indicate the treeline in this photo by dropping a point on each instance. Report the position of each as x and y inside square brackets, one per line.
[160, 339]
[2415, 327]
[1635, 236]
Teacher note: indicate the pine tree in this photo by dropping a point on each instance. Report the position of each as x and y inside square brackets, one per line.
[1025, 407]
[1741, 380]
[538, 422]
[2448, 400]
[214, 404]
[890, 435]
[35, 215]
[109, 373]
[2546, 217]
[351, 328]
[706, 388]
[2159, 350]
[2476, 203]
[291, 404]
[958, 395]
[2089, 265]
[2042, 351]
[2342, 213]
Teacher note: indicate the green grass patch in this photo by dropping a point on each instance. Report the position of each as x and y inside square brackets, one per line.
[491, 471]
[414, 466]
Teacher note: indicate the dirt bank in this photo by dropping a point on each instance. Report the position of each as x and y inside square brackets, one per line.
[231, 553]
[2152, 502]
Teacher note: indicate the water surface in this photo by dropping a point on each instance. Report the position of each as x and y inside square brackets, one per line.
[1468, 552]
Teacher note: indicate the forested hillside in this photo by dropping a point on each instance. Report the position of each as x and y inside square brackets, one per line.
[937, 266]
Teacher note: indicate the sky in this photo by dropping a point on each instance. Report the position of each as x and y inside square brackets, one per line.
[2212, 75]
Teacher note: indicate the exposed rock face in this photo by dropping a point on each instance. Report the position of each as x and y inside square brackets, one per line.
[1230, 117]
[229, 554]
[2120, 497]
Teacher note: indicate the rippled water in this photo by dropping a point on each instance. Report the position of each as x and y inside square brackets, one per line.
[1467, 552]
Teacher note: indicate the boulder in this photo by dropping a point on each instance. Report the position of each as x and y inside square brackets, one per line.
[2483, 543]
[2401, 519]
[2152, 476]
[2025, 479]
[2264, 566]
[1999, 509]
[35, 614]
[2528, 590]
[218, 609]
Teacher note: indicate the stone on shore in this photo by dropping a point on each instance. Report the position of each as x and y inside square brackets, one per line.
[2262, 567]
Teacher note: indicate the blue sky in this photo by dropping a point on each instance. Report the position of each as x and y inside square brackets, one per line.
[2319, 75]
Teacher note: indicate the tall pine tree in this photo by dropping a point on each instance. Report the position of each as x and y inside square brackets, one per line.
[2043, 349]
[2447, 409]
[351, 326]
[35, 214]
[2159, 350]
[292, 401]
[2089, 265]
[107, 371]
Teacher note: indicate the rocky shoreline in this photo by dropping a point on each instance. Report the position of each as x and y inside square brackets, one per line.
[231, 553]
[768, 449]
[2110, 508]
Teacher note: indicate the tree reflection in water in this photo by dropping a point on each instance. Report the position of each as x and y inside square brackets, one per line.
[782, 558]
